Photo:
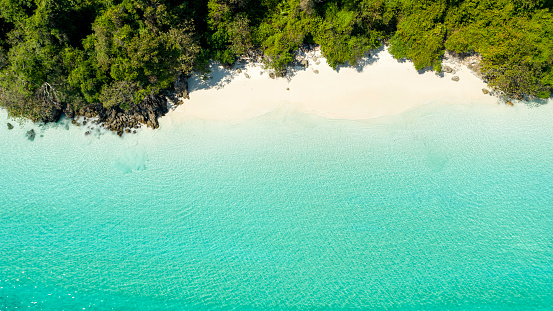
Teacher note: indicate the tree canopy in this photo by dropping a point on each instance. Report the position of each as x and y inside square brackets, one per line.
[117, 52]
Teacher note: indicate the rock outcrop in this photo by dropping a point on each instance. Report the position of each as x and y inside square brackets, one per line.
[10, 126]
[51, 111]
[115, 119]
[447, 69]
[118, 120]
[31, 135]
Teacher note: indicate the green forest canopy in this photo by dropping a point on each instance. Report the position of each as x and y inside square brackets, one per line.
[117, 52]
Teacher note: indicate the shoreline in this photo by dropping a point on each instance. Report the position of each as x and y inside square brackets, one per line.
[378, 85]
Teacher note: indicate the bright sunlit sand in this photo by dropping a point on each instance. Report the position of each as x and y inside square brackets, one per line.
[379, 85]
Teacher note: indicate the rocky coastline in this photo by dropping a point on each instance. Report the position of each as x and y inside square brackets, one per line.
[116, 119]
[147, 113]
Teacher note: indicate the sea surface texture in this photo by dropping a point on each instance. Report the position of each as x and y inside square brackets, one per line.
[440, 208]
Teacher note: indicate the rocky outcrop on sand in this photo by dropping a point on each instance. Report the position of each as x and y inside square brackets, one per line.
[10, 126]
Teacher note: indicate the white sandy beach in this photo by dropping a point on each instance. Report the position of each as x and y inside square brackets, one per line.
[379, 85]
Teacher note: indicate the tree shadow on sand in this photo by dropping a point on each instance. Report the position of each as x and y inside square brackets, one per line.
[216, 77]
[368, 59]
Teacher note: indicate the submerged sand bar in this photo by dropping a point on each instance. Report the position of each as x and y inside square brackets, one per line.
[379, 85]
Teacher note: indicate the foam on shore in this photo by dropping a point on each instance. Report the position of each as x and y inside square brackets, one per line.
[378, 85]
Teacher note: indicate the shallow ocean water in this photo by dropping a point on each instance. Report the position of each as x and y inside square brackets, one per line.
[439, 208]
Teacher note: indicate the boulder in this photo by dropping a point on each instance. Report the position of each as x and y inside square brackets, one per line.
[10, 126]
[447, 69]
[485, 91]
[69, 112]
[246, 75]
[455, 78]
[181, 88]
[31, 135]
[510, 103]
[87, 133]
[272, 75]
[316, 71]
[51, 111]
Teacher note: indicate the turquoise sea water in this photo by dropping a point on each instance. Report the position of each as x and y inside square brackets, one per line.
[440, 208]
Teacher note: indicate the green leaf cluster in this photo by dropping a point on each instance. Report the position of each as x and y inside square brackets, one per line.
[117, 52]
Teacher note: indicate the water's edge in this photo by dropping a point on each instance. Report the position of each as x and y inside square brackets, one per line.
[443, 207]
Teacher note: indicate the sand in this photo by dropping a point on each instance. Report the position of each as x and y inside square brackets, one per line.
[378, 85]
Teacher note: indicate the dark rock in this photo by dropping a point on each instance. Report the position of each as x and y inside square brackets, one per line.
[134, 132]
[87, 133]
[74, 121]
[120, 133]
[455, 78]
[281, 73]
[10, 126]
[272, 75]
[127, 130]
[69, 112]
[31, 135]
[50, 111]
[485, 91]
[475, 67]
[239, 70]
[447, 69]
[116, 119]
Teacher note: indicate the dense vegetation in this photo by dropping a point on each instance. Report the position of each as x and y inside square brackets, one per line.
[116, 52]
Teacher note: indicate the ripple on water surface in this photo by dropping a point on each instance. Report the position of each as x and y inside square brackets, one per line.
[438, 208]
